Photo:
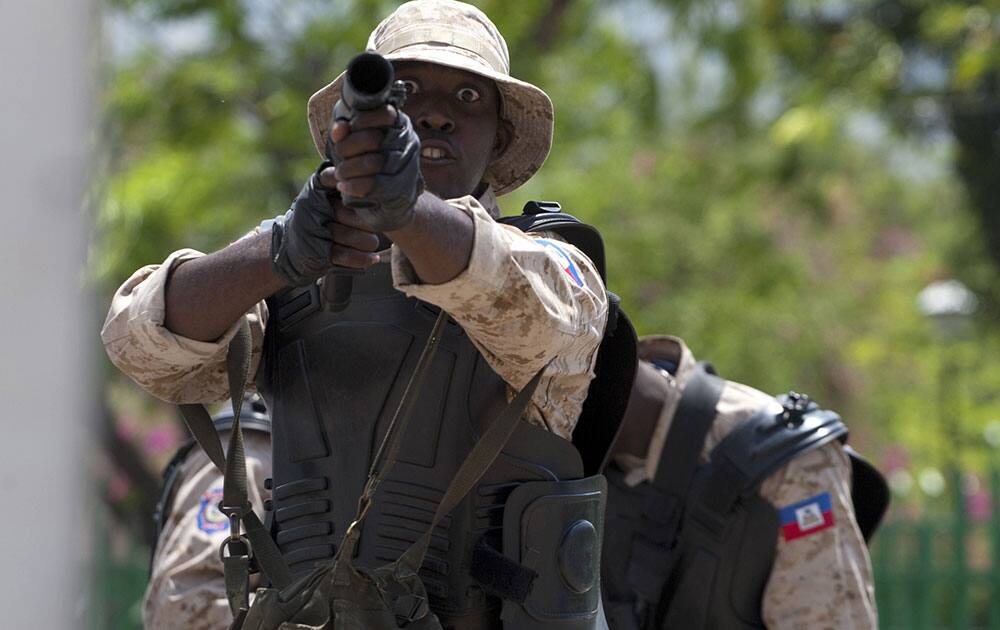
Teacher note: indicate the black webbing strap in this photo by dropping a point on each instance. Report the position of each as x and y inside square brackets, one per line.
[686, 437]
[385, 457]
[199, 423]
[649, 558]
[475, 465]
[235, 502]
[499, 575]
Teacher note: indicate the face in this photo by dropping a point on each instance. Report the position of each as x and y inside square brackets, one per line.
[457, 116]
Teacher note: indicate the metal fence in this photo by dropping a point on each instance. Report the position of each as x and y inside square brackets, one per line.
[941, 571]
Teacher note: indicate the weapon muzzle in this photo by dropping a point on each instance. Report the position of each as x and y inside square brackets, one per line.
[368, 82]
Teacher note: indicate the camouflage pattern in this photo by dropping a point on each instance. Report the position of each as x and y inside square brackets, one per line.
[819, 581]
[171, 367]
[515, 300]
[459, 35]
[186, 586]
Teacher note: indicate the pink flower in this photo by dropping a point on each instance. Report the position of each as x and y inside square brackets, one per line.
[161, 439]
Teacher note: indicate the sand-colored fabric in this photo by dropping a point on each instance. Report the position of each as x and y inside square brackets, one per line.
[516, 300]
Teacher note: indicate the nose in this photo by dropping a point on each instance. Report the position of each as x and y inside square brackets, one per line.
[435, 120]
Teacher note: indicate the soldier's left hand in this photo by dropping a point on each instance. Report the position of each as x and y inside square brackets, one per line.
[377, 156]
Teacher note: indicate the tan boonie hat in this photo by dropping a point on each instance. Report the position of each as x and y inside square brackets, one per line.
[460, 36]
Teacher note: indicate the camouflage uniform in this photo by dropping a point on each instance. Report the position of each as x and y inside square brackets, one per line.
[822, 580]
[515, 301]
[186, 587]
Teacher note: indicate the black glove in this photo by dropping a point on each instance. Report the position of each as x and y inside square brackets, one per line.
[389, 206]
[300, 240]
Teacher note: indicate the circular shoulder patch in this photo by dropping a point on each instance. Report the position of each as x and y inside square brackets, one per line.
[210, 519]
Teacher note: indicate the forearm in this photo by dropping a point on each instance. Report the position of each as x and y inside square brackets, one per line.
[204, 296]
[438, 241]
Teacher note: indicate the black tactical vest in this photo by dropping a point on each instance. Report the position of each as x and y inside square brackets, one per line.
[332, 381]
[694, 548]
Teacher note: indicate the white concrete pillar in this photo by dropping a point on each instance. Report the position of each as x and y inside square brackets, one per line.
[47, 381]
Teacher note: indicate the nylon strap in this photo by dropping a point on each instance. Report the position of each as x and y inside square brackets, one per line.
[482, 456]
[686, 437]
[649, 559]
[388, 449]
[199, 423]
[232, 465]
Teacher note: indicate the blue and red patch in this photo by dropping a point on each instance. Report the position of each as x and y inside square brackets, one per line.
[806, 517]
[565, 261]
[210, 519]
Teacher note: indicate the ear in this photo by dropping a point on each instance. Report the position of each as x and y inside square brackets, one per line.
[505, 134]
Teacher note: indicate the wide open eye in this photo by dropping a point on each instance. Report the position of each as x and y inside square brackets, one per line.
[410, 86]
[468, 95]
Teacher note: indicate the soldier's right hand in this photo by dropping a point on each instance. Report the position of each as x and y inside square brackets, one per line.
[317, 233]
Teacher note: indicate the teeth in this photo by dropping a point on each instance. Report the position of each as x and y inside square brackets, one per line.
[433, 153]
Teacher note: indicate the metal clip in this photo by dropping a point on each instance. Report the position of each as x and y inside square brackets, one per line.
[238, 547]
[235, 515]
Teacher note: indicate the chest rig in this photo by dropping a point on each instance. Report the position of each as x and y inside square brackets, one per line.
[332, 381]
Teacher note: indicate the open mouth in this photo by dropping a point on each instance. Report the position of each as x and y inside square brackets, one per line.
[436, 153]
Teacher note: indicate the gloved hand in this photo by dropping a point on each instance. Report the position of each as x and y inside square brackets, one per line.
[389, 204]
[301, 242]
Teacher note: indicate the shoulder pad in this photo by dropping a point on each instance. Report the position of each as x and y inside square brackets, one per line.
[869, 493]
[767, 441]
[547, 216]
[764, 443]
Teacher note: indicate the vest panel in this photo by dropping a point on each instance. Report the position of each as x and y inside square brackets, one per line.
[333, 381]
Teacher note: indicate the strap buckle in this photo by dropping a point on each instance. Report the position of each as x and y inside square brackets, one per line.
[235, 515]
[238, 547]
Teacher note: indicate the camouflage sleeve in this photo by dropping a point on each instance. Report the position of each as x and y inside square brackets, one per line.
[822, 575]
[524, 299]
[169, 366]
[186, 585]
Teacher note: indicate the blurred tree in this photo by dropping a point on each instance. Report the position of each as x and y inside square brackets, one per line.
[930, 69]
[768, 175]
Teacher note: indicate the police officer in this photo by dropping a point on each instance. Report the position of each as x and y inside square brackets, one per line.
[523, 304]
[786, 553]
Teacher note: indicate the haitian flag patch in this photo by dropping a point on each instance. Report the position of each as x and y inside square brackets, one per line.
[806, 517]
[565, 261]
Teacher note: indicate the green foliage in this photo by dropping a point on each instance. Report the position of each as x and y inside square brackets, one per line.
[763, 227]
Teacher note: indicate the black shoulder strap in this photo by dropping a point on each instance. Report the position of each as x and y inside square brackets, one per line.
[614, 369]
[651, 557]
[686, 436]
[255, 420]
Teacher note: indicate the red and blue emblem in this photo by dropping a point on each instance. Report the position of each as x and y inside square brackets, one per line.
[564, 260]
[210, 519]
[806, 517]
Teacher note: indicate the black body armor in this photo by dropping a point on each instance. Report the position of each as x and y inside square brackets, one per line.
[694, 548]
[530, 532]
